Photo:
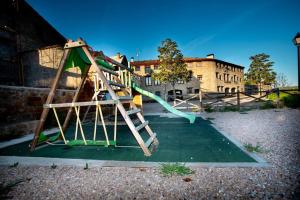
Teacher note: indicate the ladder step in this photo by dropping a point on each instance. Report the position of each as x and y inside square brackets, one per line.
[150, 140]
[133, 111]
[125, 98]
[142, 125]
[108, 70]
[116, 84]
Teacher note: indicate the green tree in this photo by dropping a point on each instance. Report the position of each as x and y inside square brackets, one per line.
[171, 65]
[260, 70]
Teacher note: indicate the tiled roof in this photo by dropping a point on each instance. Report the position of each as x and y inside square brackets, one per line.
[187, 59]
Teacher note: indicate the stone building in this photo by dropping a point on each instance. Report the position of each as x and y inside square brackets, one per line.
[30, 48]
[208, 74]
[30, 52]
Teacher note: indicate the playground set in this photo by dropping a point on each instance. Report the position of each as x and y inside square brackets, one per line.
[113, 85]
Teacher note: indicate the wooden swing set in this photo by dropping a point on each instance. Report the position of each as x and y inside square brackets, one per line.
[110, 76]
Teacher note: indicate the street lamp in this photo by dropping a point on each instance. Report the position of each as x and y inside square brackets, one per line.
[296, 41]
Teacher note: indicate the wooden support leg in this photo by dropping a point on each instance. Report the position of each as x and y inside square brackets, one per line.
[49, 100]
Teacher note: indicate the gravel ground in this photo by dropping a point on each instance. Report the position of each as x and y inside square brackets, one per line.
[277, 131]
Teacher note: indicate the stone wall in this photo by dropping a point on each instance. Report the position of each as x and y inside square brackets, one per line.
[21, 107]
[40, 68]
[23, 31]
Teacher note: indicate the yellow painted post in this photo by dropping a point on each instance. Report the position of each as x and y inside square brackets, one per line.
[115, 128]
[60, 128]
[80, 125]
[103, 124]
[95, 126]
[76, 130]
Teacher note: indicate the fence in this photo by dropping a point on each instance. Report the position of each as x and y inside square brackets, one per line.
[235, 100]
[239, 99]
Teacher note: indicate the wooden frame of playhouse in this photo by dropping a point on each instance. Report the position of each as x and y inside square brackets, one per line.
[107, 79]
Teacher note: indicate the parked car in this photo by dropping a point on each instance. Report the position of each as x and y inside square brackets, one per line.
[178, 95]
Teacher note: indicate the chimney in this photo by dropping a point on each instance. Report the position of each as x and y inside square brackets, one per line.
[210, 55]
[132, 59]
[118, 55]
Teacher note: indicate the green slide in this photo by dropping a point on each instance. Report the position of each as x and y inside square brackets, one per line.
[164, 104]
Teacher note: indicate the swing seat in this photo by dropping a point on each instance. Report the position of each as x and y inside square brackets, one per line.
[91, 143]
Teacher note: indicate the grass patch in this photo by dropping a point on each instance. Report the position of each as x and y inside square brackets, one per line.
[288, 100]
[209, 109]
[291, 101]
[229, 109]
[243, 112]
[210, 118]
[267, 105]
[257, 148]
[175, 169]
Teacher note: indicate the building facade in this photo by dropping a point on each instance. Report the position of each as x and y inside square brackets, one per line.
[30, 48]
[207, 74]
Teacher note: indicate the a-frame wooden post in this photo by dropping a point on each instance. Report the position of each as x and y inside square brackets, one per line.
[49, 100]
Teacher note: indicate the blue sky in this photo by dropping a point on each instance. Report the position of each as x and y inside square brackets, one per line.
[233, 29]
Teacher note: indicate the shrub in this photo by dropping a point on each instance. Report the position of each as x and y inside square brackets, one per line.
[267, 105]
[229, 109]
[177, 168]
[249, 147]
[209, 109]
[291, 101]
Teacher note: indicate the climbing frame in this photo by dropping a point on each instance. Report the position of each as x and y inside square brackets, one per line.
[111, 76]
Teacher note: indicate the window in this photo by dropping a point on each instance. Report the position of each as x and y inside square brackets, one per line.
[137, 68]
[196, 91]
[180, 82]
[199, 77]
[148, 81]
[156, 82]
[147, 70]
[155, 67]
[190, 75]
[218, 88]
[157, 93]
[189, 90]
[220, 77]
[217, 74]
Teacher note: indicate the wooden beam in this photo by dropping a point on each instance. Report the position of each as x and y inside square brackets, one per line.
[75, 104]
[78, 43]
[49, 100]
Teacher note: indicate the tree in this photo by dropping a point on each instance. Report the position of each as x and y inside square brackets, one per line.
[260, 70]
[171, 65]
[281, 80]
